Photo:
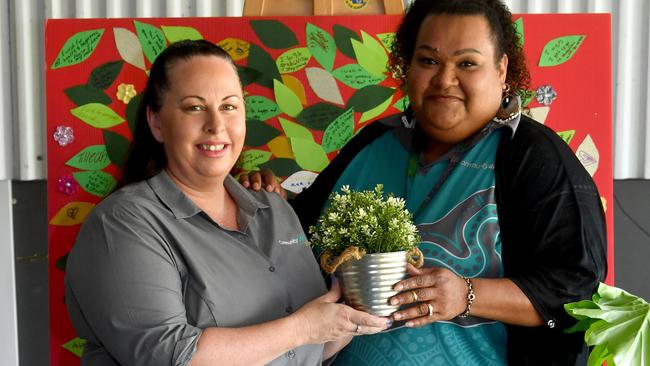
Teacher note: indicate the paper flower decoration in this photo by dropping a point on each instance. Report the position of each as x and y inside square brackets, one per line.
[125, 92]
[63, 135]
[67, 185]
[617, 324]
[546, 95]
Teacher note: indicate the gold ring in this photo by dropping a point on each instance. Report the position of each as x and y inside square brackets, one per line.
[430, 314]
[415, 296]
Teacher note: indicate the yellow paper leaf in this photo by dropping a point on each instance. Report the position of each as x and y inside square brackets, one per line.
[236, 48]
[281, 148]
[295, 85]
[74, 213]
[603, 200]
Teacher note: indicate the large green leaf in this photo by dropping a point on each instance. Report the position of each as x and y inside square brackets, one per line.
[321, 45]
[251, 159]
[248, 75]
[97, 115]
[281, 167]
[402, 104]
[339, 132]
[369, 97]
[75, 345]
[95, 182]
[92, 157]
[261, 108]
[117, 147]
[77, 48]
[374, 62]
[287, 100]
[560, 50]
[519, 28]
[151, 38]
[387, 40]
[293, 60]
[319, 116]
[132, 110]
[295, 130]
[342, 37]
[309, 155]
[260, 60]
[376, 111]
[259, 133]
[274, 34]
[83, 94]
[105, 74]
[355, 76]
[175, 34]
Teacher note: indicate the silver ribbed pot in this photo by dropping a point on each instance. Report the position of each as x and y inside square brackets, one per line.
[367, 284]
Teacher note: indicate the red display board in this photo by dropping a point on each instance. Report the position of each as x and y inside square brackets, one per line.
[310, 83]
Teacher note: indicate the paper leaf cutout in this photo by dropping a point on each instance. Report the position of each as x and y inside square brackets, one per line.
[274, 34]
[588, 155]
[369, 97]
[97, 115]
[281, 148]
[370, 54]
[93, 157]
[567, 136]
[73, 213]
[339, 132]
[321, 45]
[95, 182]
[77, 48]
[319, 116]
[402, 104]
[261, 61]
[129, 48]
[151, 38]
[175, 34]
[251, 159]
[374, 112]
[324, 85]
[560, 50]
[293, 60]
[117, 147]
[287, 100]
[104, 75]
[76, 346]
[62, 262]
[247, 75]
[132, 112]
[342, 37]
[309, 155]
[236, 48]
[295, 85]
[83, 94]
[281, 167]
[519, 28]
[259, 133]
[299, 181]
[539, 114]
[294, 130]
[386, 40]
[260, 108]
[355, 76]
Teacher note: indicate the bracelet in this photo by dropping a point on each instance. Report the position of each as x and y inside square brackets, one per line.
[470, 298]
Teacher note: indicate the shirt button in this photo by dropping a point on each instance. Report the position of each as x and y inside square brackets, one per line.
[272, 269]
[551, 323]
[291, 354]
[288, 310]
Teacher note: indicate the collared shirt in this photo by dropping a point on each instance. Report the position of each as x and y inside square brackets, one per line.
[150, 270]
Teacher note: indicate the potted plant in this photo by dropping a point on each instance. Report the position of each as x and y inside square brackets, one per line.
[367, 239]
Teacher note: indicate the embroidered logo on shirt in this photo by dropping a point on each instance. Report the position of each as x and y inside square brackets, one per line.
[300, 239]
[470, 165]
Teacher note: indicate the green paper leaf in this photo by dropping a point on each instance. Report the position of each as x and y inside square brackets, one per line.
[247, 75]
[132, 112]
[402, 104]
[319, 116]
[95, 182]
[261, 61]
[342, 37]
[274, 34]
[83, 94]
[321, 45]
[251, 159]
[339, 132]
[560, 50]
[287, 100]
[93, 157]
[151, 38]
[386, 40]
[259, 133]
[104, 75]
[61, 262]
[117, 147]
[75, 345]
[309, 155]
[293, 60]
[369, 97]
[567, 135]
[526, 97]
[281, 167]
[175, 34]
[376, 111]
[370, 54]
[519, 28]
[261, 108]
[292, 129]
[97, 115]
[355, 76]
[77, 48]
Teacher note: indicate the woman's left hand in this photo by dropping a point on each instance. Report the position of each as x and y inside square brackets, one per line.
[437, 294]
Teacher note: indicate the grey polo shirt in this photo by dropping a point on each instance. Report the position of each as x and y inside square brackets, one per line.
[150, 270]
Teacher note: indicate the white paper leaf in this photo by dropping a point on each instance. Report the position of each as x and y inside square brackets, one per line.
[324, 85]
[588, 155]
[298, 181]
[539, 114]
[128, 45]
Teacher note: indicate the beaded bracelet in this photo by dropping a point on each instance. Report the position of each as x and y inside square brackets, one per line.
[470, 298]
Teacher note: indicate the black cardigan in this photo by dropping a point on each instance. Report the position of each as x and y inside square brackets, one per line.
[552, 224]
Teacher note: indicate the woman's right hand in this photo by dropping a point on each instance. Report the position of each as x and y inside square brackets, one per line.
[322, 319]
[263, 178]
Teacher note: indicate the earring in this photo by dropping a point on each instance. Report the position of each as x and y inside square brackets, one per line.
[510, 108]
[407, 118]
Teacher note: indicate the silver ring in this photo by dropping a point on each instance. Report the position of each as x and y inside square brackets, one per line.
[415, 296]
[430, 307]
[358, 330]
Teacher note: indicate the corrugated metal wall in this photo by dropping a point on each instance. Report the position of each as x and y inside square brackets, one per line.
[22, 101]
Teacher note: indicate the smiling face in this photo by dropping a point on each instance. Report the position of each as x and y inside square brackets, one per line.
[454, 83]
[202, 122]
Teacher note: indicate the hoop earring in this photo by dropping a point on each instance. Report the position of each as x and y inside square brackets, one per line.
[510, 108]
[407, 118]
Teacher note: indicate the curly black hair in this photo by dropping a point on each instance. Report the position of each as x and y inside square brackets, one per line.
[499, 18]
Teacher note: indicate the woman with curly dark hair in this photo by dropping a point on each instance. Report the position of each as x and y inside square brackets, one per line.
[511, 223]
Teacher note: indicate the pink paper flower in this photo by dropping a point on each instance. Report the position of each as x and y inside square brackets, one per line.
[63, 135]
[67, 185]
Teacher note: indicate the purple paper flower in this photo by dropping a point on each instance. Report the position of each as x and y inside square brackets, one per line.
[546, 95]
[67, 185]
[63, 135]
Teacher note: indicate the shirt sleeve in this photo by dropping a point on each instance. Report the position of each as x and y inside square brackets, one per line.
[125, 293]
